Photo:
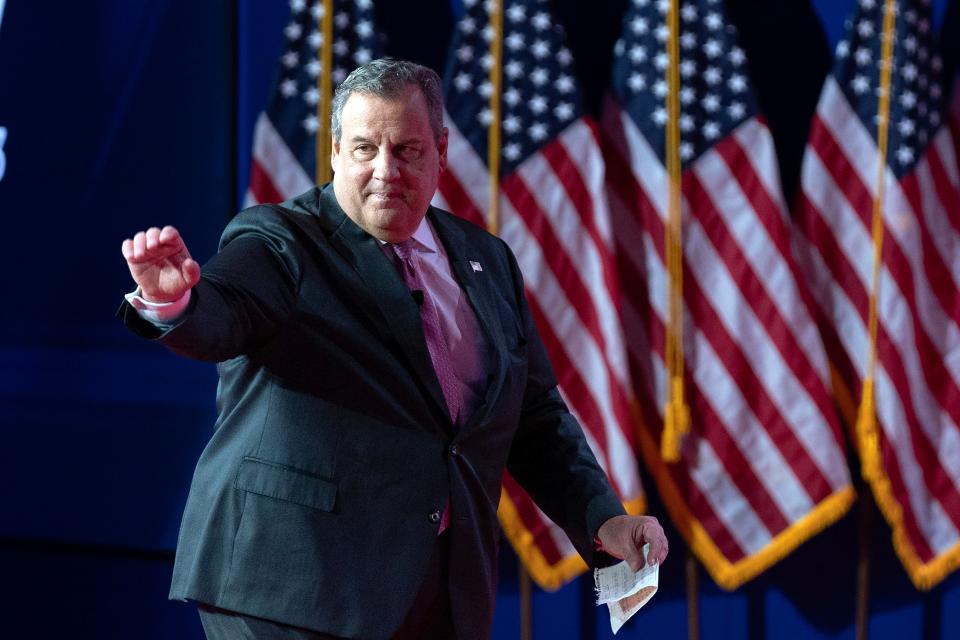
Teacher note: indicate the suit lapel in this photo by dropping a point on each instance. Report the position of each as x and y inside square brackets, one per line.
[478, 293]
[384, 287]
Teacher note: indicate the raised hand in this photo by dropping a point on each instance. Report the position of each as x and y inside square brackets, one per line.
[160, 263]
[623, 537]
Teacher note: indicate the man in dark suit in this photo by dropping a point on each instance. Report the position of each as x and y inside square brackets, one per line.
[379, 369]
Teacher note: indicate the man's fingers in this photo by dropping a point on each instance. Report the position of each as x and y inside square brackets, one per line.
[152, 245]
[658, 551]
[169, 235]
[160, 263]
[648, 531]
[654, 536]
[152, 238]
[191, 272]
[634, 558]
[139, 245]
[625, 536]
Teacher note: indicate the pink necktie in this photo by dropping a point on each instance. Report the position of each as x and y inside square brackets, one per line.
[436, 343]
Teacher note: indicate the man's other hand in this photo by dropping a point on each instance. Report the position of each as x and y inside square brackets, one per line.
[623, 537]
[160, 264]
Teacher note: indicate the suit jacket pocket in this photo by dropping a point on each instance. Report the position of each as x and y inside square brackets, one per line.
[284, 483]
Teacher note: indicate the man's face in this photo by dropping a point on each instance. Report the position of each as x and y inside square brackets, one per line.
[387, 163]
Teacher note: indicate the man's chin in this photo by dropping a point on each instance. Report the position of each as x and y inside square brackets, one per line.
[394, 225]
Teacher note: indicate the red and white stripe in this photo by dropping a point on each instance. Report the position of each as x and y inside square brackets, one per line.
[275, 173]
[765, 447]
[918, 343]
[554, 216]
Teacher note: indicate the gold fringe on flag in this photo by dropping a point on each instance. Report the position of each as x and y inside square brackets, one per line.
[548, 577]
[676, 413]
[867, 435]
[324, 172]
[731, 575]
[925, 575]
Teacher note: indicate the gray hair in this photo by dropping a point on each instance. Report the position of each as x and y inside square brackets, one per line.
[388, 78]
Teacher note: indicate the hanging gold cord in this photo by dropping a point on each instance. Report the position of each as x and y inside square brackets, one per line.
[866, 415]
[323, 171]
[676, 414]
[493, 129]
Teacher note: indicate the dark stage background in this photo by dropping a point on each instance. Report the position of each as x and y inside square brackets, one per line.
[122, 115]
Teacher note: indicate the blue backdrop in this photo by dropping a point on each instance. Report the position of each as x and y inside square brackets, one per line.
[122, 115]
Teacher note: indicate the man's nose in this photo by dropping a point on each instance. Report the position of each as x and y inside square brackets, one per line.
[385, 166]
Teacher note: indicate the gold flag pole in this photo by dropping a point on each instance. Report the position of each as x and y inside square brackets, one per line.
[493, 129]
[325, 86]
[862, 613]
[676, 414]
[495, 16]
[866, 416]
[693, 596]
[526, 603]
[866, 427]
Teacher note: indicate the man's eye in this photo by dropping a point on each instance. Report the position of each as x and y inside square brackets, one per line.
[363, 149]
[408, 153]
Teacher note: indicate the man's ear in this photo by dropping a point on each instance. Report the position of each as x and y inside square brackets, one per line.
[334, 153]
[442, 148]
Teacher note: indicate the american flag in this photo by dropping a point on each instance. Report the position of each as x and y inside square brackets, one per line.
[284, 140]
[763, 467]
[917, 377]
[555, 217]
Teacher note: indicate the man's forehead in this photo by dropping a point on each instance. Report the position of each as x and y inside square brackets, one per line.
[366, 114]
[400, 96]
[375, 134]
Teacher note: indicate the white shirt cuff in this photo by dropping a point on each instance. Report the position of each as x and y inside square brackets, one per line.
[158, 312]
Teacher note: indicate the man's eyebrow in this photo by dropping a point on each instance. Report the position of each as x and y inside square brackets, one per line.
[406, 142]
[415, 140]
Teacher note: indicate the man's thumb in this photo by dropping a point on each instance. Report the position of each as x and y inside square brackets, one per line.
[634, 558]
[191, 271]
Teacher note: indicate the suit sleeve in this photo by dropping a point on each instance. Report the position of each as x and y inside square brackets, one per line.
[550, 457]
[245, 293]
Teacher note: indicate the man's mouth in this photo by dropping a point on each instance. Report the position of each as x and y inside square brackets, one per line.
[386, 195]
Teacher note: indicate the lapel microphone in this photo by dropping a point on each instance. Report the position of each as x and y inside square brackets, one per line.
[417, 297]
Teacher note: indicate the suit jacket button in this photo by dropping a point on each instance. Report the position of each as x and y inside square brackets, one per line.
[434, 516]
[454, 450]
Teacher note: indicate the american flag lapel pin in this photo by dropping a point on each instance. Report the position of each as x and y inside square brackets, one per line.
[475, 266]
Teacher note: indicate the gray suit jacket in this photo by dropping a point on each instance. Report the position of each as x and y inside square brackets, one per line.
[316, 502]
